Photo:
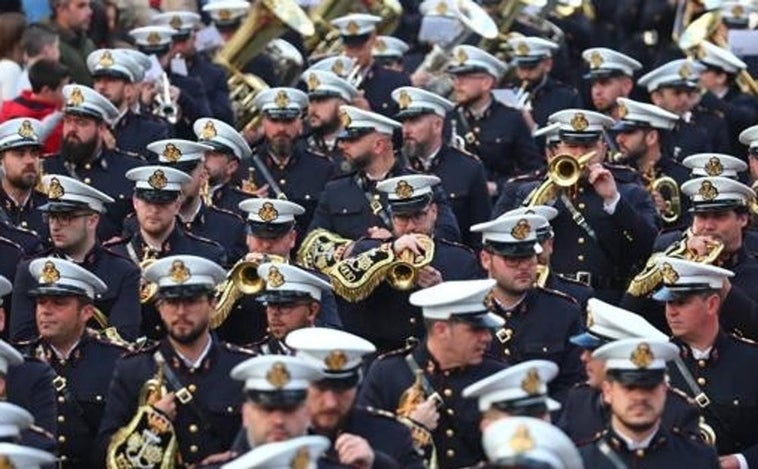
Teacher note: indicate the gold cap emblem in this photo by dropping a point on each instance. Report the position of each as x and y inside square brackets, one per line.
[685, 71]
[403, 190]
[669, 275]
[404, 99]
[179, 272]
[642, 356]
[522, 49]
[302, 459]
[708, 191]
[531, 383]
[172, 153]
[278, 376]
[6, 463]
[274, 278]
[461, 56]
[590, 319]
[50, 273]
[336, 360]
[153, 38]
[579, 122]
[313, 82]
[596, 60]
[176, 22]
[106, 59]
[76, 98]
[158, 180]
[26, 130]
[623, 111]
[224, 14]
[441, 8]
[282, 100]
[713, 167]
[521, 230]
[345, 119]
[352, 28]
[338, 67]
[55, 190]
[738, 11]
[521, 441]
[209, 131]
[268, 212]
[380, 45]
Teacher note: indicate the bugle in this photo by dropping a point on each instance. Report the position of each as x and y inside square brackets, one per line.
[563, 171]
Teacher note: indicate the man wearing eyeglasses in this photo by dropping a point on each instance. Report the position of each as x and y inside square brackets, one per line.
[538, 321]
[72, 214]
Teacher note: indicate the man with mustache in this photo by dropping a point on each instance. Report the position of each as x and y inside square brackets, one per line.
[635, 390]
[157, 200]
[538, 321]
[359, 435]
[20, 158]
[450, 357]
[87, 120]
[63, 297]
[423, 117]
[292, 298]
[201, 405]
[294, 171]
[715, 362]
[73, 212]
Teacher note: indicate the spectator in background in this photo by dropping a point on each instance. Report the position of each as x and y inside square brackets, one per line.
[12, 27]
[36, 10]
[42, 102]
[10, 5]
[71, 20]
[39, 42]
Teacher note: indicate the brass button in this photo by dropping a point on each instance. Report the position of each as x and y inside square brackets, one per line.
[477, 130]
[157, 328]
[98, 398]
[192, 388]
[307, 197]
[62, 439]
[544, 349]
[64, 457]
[61, 419]
[449, 433]
[450, 453]
[87, 166]
[230, 410]
[701, 381]
[450, 411]
[507, 352]
[87, 180]
[581, 205]
[580, 258]
[282, 182]
[701, 363]
[24, 224]
[61, 399]
[447, 392]
[736, 402]
[193, 428]
[580, 240]
[412, 320]
[193, 448]
[121, 196]
[640, 453]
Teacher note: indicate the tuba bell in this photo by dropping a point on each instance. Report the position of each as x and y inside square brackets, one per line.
[241, 280]
[267, 20]
[563, 171]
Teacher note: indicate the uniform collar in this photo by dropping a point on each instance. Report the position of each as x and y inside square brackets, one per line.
[45, 351]
[621, 442]
[721, 341]
[484, 113]
[734, 259]
[172, 240]
[429, 364]
[176, 361]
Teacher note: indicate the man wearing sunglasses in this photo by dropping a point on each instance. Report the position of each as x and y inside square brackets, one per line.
[73, 213]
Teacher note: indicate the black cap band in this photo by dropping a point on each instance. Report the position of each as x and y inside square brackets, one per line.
[289, 399]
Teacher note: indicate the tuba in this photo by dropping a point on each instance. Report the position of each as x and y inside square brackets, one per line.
[149, 440]
[563, 171]
[650, 277]
[669, 190]
[241, 280]
[409, 400]
[267, 20]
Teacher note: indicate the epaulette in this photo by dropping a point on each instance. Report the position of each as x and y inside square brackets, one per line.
[225, 212]
[401, 351]
[113, 253]
[583, 384]
[116, 241]
[142, 347]
[237, 349]
[681, 394]
[201, 238]
[536, 174]
[558, 294]
[11, 243]
[110, 339]
[572, 280]
[454, 244]
[130, 154]
[380, 413]
[737, 334]
[592, 439]
[707, 110]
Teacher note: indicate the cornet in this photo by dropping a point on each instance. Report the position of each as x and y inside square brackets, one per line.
[165, 106]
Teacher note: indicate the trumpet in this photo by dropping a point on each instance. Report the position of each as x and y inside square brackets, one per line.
[669, 190]
[241, 280]
[165, 105]
[403, 272]
[563, 171]
[409, 400]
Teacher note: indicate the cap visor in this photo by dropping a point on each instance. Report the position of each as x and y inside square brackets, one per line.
[354, 133]
[716, 206]
[527, 62]
[465, 69]
[410, 206]
[680, 291]
[587, 341]
[356, 40]
[601, 73]
[83, 112]
[184, 291]
[625, 126]
[23, 143]
[531, 248]
[56, 290]
[282, 114]
[64, 206]
[111, 73]
[412, 113]
[157, 50]
[340, 383]
[579, 137]
[156, 197]
[484, 320]
[283, 297]
[638, 378]
[268, 230]
[278, 399]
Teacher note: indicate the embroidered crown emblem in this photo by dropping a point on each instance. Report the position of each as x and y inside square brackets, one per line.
[336, 360]
[267, 212]
[275, 278]
[158, 180]
[50, 273]
[642, 356]
[278, 376]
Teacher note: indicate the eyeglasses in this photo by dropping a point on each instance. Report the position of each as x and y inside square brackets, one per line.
[284, 308]
[518, 261]
[62, 218]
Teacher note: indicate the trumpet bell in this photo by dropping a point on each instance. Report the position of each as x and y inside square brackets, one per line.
[475, 18]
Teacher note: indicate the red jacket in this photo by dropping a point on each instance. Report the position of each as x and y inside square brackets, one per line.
[26, 106]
